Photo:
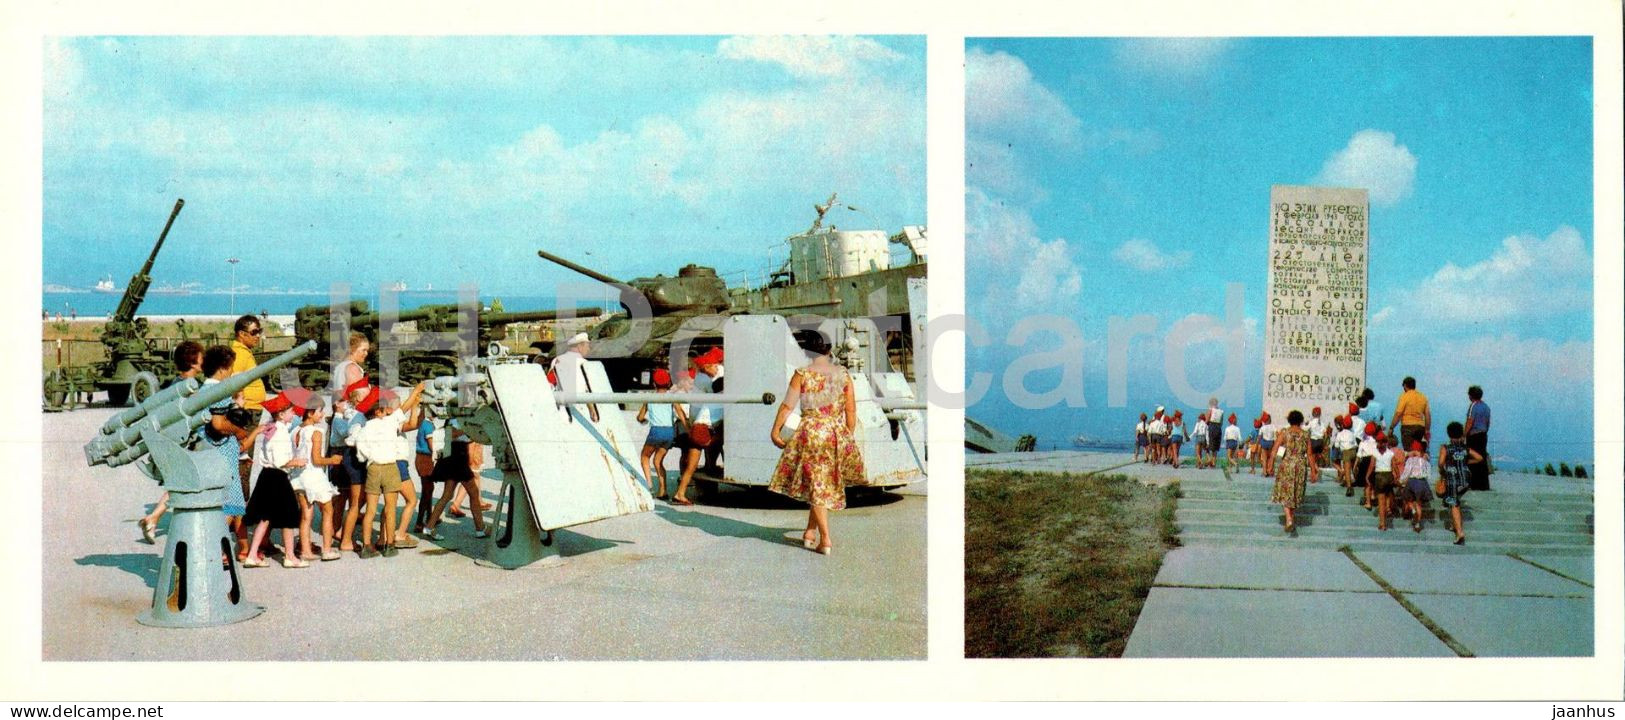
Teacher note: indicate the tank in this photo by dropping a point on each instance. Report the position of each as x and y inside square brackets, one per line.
[654, 311]
[135, 366]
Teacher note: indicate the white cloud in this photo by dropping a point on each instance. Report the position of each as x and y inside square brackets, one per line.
[808, 55]
[1527, 277]
[1145, 256]
[1003, 101]
[1180, 57]
[1508, 359]
[993, 166]
[1002, 242]
[1375, 161]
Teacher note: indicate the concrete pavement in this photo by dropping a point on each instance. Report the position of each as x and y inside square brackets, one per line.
[724, 579]
[1240, 587]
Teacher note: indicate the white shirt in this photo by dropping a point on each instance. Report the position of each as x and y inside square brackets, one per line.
[568, 367]
[1315, 428]
[1201, 428]
[1346, 439]
[1157, 427]
[1384, 461]
[1368, 447]
[278, 451]
[380, 440]
[1267, 433]
[1139, 428]
[708, 414]
[1214, 414]
[1232, 433]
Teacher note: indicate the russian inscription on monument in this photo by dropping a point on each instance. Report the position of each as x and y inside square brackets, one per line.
[1314, 340]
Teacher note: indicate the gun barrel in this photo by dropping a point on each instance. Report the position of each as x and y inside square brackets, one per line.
[649, 398]
[373, 319]
[136, 292]
[489, 319]
[176, 411]
[594, 274]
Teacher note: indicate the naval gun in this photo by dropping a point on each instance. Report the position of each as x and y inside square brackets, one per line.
[563, 458]
[198, 584]
[656, 312]
[134, 367]
[312, 323]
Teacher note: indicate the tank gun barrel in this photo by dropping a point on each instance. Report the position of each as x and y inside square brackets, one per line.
[594, 274]
[137, 290]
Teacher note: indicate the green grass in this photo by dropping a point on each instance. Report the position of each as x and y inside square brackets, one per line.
[1059, 565]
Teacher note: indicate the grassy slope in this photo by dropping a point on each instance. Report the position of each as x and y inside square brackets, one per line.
[1059, 566]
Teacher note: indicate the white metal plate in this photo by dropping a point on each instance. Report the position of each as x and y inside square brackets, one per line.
[577, 471]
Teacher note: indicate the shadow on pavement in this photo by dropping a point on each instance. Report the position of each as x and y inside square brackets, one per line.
[144, 566]
[721, 526]
[760, 498]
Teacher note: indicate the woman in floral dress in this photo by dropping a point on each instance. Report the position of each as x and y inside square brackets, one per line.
[822, 458]
[1293, 469]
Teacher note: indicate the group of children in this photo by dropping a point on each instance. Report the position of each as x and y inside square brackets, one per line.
[304, 464]
[1159, 436]
[1397, 481]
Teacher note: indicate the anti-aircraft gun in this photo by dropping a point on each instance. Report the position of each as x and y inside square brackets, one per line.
[134, 368]
[197, 580]
[312, 324]
[656, 312]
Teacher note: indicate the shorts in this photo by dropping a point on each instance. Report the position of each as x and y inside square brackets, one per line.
[424, 463]
[1382, 481]
[1337, 455]
[660, 436]
[1417, 490]
[1230, 445]
[1140, 441]
[1160, 440]
[1317, 446]
[383, 478]
[1267, 445]
[700, 435]
[349, 471]
[405, 474]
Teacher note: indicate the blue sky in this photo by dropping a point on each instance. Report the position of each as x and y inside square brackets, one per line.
[451, 160]
[1117, 177]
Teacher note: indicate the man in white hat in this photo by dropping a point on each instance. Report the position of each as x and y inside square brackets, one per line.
[567, 368]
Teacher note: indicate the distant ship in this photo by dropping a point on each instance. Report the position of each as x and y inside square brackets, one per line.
[174, 290]
[398, 286]
[105, 285]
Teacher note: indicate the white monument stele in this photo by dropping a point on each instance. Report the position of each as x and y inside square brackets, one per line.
[1314, 338]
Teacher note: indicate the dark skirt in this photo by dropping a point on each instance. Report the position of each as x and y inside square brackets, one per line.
[273, 501]
[454, 466]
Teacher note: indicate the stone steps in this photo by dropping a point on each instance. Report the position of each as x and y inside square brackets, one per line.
[1540, 517]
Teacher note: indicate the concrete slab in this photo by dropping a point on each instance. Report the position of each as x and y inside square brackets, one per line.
[1579, 568]
[1263, 569]
[1189, 623]
[1468, 574]
[1513, 626]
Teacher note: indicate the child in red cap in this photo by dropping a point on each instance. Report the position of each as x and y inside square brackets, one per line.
[662, 419]
[1415, 490]
[1380, 479]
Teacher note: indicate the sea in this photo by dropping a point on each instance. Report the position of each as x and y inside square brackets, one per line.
[88, 304]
